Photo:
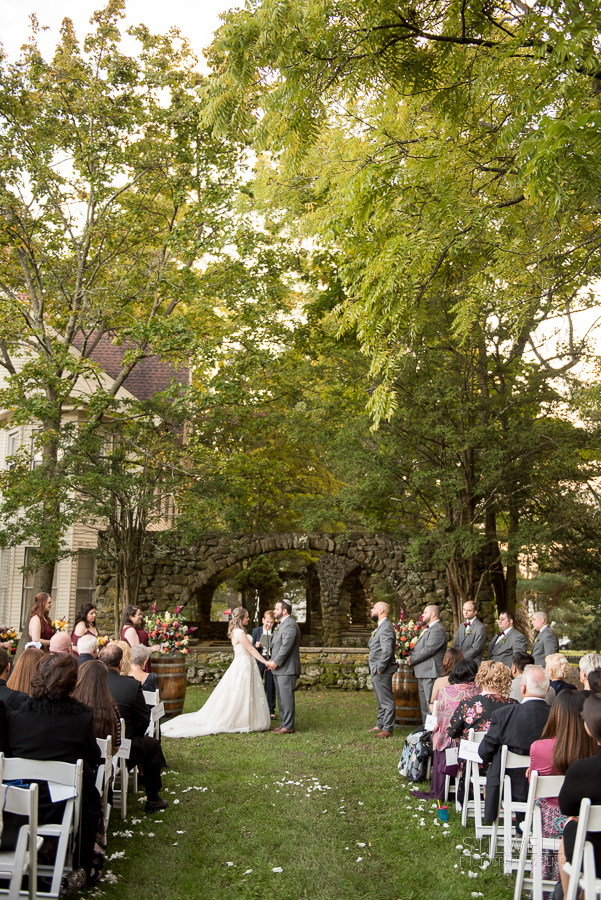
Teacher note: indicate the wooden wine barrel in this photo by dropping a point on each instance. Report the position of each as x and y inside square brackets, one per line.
[171, 672]
[406, 698]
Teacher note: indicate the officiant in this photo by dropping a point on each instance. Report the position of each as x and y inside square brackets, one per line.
[262, 639]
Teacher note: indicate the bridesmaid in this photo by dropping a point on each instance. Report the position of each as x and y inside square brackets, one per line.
[133, 633]
[85, 623]
[40, 626]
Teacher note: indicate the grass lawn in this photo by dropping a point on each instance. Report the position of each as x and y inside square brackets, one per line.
[249, 814]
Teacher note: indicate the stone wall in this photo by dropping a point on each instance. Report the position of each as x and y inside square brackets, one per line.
[337, 668]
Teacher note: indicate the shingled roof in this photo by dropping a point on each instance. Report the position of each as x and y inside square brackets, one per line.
[148, 377]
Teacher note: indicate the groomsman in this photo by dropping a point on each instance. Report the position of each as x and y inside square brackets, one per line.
[262, 640]
[471, 634]
[545, 641]
[507, 642]
[427, 654]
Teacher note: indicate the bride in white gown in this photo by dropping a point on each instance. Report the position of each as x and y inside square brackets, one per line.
[238, 703]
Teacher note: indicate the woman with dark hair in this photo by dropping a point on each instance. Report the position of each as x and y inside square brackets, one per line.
[460, 687]
[92, 689]
[52, 725]
[563, 740]
[85, 623]
[133, 632]
[20, 677]
[40, 625]
[450, 660]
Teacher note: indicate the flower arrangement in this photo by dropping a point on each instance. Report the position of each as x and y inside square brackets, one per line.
[103, 640]
[407, 634]
[8, 635]
[169, 630]
[61, 625]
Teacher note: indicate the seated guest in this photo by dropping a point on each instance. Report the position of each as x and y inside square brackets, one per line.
[558, 669]
[586, 665]
[20, 679]
[60, 643]
[88, 649]
[145, 751]
[126, 661]
[11, 699]
[449, 661]
[594, 681]
[92, 689]
[583, 779]
[563, 740]
[139, 657]
[518, 726]
[519, 663]
[51, 725]
[461, 687]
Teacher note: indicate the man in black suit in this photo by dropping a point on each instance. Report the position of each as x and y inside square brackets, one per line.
[518, 726]
[145, 750]
[262, 637]
[11, 699]
[88, 648]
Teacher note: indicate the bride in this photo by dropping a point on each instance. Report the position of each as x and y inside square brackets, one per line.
[238, 703]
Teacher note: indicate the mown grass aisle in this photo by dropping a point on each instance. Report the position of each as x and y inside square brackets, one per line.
[340, 823]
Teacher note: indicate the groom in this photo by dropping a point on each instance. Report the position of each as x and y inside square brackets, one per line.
[285, 664]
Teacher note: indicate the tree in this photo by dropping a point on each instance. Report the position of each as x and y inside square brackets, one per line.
[261, 584]
[111, 195]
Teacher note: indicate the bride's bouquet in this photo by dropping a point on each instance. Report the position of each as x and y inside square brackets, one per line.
[169, 630]
[407, 634]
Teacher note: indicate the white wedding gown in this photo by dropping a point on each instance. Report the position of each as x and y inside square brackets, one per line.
[238, 703]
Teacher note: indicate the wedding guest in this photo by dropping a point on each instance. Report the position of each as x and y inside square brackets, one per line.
[139, 658]
[88, 649]
[586, 665]
[85, 623]
[262, 637]
[518, 726]
[126, 662]
[583, 779]
[40, 626]
[145, 750]
[518, 664]
[594, 680]
[11, 699]
[449, 661]
[20, 679]
[427, 654]
[461, 686]
[545, 640]
[563, 741]
[507, 642]
[52, 725]
[558, 669]
[132, 630]
[60, 643]
[471, 634]
[92, 689]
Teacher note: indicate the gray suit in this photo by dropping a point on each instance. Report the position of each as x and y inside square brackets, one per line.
[382, 666]
[285, 653]
[503, 652]
[426, 660]
[471, 645]
[545, 643]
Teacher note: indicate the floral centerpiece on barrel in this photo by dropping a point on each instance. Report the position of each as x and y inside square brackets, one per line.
[169, 630]
[407, 634]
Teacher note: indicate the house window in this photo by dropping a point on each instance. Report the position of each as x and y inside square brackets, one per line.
[35, 454]
[86, 577]
[12, 447]
[27, 595]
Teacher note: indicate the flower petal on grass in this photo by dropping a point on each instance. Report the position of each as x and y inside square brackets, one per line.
[278, 869]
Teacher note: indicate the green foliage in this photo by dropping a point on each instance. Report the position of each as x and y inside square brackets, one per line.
[261, 583]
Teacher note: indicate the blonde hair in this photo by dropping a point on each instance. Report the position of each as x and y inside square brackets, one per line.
[557, 666]
[269, 614]
[238, 617]
[126, 661]
[495, 677]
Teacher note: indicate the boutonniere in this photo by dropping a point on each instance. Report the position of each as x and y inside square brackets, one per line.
[503, 639]
[276, 629]
[537, 639]
[468, 629]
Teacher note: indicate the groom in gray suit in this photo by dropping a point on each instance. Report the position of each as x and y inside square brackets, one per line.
[382, 666]
[285, 664]
[427, 655]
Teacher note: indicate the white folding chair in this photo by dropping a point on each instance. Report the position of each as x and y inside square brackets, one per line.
[592, 884]
[533, 841]
[472, 777]
[508, 807]
[104, 775]
[67, 776]
[589, 819]
[152, 699]
[120, 779]
[23, 860]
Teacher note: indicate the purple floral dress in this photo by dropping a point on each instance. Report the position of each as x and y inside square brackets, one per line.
[474, 712]
[449, 698]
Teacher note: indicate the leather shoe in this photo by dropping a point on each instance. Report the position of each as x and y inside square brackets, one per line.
[375, 728]
[385, 734]
[282, 730]
[156, 805]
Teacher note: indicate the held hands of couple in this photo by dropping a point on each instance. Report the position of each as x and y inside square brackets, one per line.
[271, 665]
